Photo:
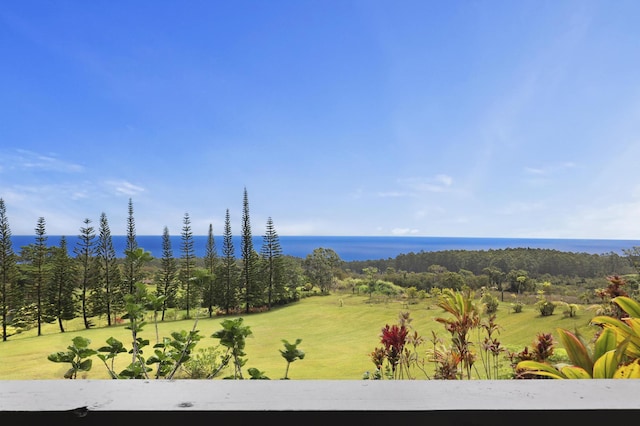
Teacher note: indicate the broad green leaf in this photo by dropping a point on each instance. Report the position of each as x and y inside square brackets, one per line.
[573, 372]
[631, 371]
[613, 322]
[607, 341]
[606, 366]
[576, 350]
[628, 305]
[540, 369]
[621, 328]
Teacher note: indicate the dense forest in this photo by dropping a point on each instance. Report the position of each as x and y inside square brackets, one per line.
[41, 283]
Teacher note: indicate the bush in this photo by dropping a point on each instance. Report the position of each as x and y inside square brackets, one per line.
[490, 303]
[546, 307]
[203, 364]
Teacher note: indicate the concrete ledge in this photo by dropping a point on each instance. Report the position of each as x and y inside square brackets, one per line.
[496, 402]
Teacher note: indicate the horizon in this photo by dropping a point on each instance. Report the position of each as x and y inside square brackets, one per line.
[494, 119]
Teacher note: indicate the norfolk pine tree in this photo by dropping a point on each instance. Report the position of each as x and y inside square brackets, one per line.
[167, 285]
[61, 300]
[210, 263]
[40, 254]
[130, 267]
[252, 293]
[85, 251]
[112, 297]
[228, 276]
[188, 259]
[271, 254]
[8, 266]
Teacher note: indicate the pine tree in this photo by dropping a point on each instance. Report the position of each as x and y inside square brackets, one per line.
[228, 276]
[271, 255]
[210, 263]
[85, 251]
[40, 254]
[188, 259]
[8, 266]
[109, 292]
[252, 293]
[168, 285]
[61, 304]
[130, 267]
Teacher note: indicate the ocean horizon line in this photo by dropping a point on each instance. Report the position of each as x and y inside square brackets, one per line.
[352, 248]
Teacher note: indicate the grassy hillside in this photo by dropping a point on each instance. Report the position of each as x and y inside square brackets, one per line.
[338, 333]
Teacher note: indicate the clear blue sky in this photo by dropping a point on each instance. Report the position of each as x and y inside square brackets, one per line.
[339, 117]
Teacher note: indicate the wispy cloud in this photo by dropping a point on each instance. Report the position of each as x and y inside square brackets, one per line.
[546, 174]
[549, 169]
[124, 187]
[405, 231]
[438, 183]
[21, 159]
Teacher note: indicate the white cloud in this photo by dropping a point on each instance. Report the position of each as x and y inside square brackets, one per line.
[438, 183]
[405, 231]
[124, 187]
[393, 194]
[22, 159]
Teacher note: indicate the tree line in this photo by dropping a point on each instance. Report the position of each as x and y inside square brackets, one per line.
[43, 284]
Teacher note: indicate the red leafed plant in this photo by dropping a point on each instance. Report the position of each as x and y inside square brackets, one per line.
[394, 338]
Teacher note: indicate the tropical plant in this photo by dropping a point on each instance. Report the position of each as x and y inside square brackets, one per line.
[465, 317]
[290, 354]
[627, 328]
[233, 337]
[614, 355]
[78, 355]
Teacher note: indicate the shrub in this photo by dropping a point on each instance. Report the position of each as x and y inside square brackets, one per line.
[546, 307]
[490, 303]
[517, 307]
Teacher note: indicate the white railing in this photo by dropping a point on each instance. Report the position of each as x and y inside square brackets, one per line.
[497, 399]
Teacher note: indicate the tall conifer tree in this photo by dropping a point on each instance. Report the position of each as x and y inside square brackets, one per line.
[210, 263]
[249, 285]
[271, 254]
[228, 276]
[167, 286]
[188, 259]
[85, 251]
[111, 298]
[40, 268]
[60, 294]
[8, 266]
[131, 267]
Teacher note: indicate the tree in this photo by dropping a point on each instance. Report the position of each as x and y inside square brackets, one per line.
[109, 292]
[252, 294]
[40, 264]
[210, 263]
[131, 270]
[227, 279]
[371, 273]
[167, 285]
[320, 267]
[188, 259]
[85, 251]
[496, 278]
[61, 303]
[465, 318]
[271, 254]
[8, 266]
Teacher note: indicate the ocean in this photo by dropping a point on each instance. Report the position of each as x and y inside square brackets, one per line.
[357, 247]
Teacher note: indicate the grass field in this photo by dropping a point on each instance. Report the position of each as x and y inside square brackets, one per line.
[338, 333]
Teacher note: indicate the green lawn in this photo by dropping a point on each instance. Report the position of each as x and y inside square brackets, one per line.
[338, 333]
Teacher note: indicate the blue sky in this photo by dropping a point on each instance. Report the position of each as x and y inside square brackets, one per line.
[432, 118]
